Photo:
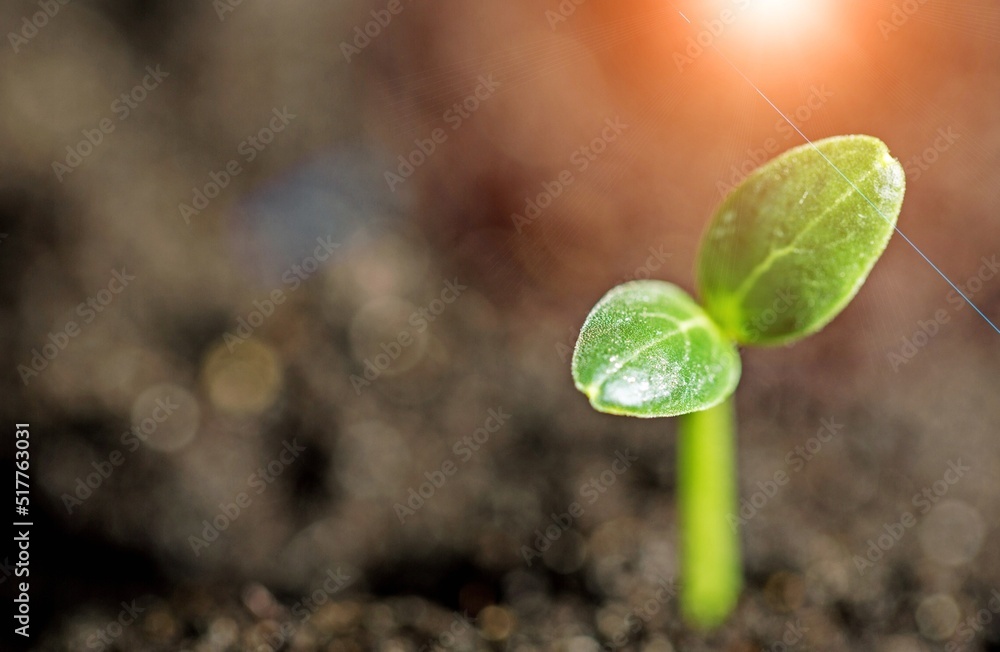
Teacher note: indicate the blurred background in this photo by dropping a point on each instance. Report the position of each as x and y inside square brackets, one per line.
[290, 292]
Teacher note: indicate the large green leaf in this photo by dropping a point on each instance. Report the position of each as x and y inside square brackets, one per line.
[648, 350]
[790, 247]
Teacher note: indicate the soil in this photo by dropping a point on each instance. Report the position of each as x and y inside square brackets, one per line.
[304, 407]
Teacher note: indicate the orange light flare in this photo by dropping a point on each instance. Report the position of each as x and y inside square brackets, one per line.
[802, 26]
[785, 19]
[777, 37]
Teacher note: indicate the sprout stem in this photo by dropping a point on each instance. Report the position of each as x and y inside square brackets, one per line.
[710, 546]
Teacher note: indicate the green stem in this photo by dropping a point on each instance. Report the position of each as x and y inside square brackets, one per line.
[707, 493]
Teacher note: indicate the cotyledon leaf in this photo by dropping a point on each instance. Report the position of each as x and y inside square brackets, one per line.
[792, 244]
[648, 350]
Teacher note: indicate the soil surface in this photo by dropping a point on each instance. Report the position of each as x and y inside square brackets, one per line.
[293, 336]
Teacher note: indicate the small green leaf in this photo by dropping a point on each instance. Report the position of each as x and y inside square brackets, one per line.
[791, 246]
[648, 350]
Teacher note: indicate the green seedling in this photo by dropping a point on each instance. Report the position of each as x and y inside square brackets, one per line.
[782, 256]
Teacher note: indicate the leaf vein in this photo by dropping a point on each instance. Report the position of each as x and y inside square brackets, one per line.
[776, 254]
[681, 330]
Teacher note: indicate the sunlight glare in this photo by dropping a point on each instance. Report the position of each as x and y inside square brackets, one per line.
[768, 19]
